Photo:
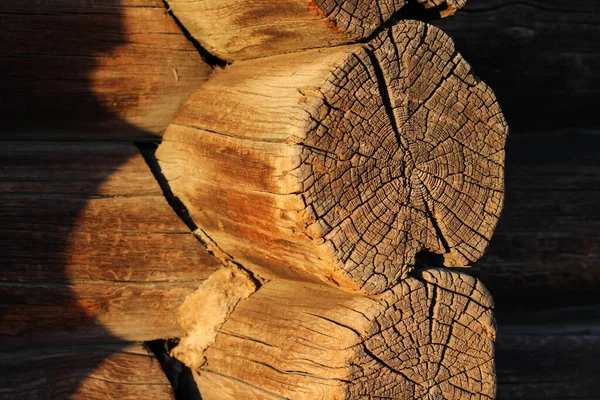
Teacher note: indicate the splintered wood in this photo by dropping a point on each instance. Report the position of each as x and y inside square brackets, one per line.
[263, 28]
[428, 337]
[343, 164]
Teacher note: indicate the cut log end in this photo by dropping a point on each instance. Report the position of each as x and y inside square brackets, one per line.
[403, 154]
[434, 340]
[364, 157]
[429, 337]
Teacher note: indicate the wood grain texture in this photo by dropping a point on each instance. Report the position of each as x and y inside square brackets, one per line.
[103, 372]
[343, 164]
[91, 249]
[110, 69]
[240, 29]
[542, 57]
[428, 337]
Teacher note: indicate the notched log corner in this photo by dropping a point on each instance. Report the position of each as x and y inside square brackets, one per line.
[430, 336]
[340, 165]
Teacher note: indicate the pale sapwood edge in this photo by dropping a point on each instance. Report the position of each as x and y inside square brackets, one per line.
[238, 29]
[430, 336]
[343, 164]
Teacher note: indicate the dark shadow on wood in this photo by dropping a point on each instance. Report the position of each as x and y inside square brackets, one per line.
[45, 94]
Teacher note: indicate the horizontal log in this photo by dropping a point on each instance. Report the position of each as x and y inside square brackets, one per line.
[545, 249]
[110, 69]
[540, 56]
[237, 29]
[92, 249]
[90, 372]
[342, 165]
[429, 336]
[551, 354]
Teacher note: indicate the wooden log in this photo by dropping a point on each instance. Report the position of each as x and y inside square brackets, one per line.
[549, 354]
[91, 249]
[343, 164]
[237, 29]
[430, 336]
[110, 69]
[107, 371]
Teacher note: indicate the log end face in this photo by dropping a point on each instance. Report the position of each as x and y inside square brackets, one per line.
[434, 340]
[405, 154]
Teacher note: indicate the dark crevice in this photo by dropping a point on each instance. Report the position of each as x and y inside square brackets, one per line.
[207, 56]
[415, 10]
[436, 226]
[385, 95]
[427, 259]
[148, 149]
[180, 376]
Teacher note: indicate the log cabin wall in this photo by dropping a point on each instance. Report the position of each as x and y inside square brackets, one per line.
[541, 59]
[97, 69]
[83, 82]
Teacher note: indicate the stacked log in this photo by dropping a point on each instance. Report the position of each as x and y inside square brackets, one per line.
[341, 180]
[263, 28]
[94, 260]
[334, 176]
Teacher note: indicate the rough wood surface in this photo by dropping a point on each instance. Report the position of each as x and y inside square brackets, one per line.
[87, 373]
[239, 29]
[430, 336]
[206, 310]
[111, 69]
[91, 249]
[540, 56]
[343, 163]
